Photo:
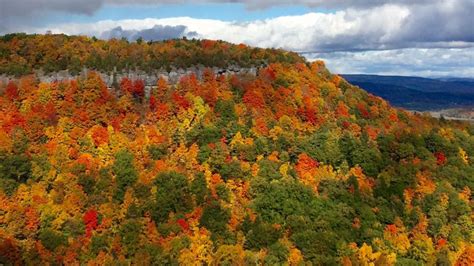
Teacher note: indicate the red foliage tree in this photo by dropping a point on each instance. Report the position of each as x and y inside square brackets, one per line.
[183, 224]
[207, 44]
[135, 88]
[268, 73]
[342, 110]
[138, 89]
[180, 101]
[363, 110]
[441, 243]
[91, 221]
[306, 163]
[162, 110]
[116, 122]
[153, 103]
[100, 135]
[308, 115]
[440, 158]
[13, 120]
[189, 83]
[253, 99]
[50, 113]
[11, 91]
[126, 85]
[391, 228]
[346, 124]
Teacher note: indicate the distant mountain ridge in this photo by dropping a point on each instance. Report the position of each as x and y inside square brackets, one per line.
[418, 93]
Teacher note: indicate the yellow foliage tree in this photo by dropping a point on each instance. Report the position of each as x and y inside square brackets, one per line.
[199, 251]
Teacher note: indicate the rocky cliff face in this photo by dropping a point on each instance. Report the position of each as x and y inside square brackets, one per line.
[150, 79]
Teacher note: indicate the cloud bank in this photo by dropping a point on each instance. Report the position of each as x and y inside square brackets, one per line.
[447, 25]
[435, 62]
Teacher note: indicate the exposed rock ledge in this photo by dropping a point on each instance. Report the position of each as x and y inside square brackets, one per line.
[150, 79]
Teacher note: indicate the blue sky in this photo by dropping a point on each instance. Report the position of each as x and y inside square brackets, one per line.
[399, 37]
[220, 11]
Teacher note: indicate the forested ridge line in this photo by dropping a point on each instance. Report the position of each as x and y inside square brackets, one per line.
[22, 54]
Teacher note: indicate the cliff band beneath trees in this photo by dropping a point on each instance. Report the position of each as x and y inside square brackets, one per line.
[150, 79]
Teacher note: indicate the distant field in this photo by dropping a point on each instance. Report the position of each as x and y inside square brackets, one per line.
[464, 114]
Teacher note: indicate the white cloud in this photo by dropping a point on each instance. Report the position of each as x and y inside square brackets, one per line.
[434, 62]
[350, 29]
[426, 38]
[381, 27]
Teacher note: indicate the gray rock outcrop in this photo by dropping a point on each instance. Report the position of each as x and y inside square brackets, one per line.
[150, 79]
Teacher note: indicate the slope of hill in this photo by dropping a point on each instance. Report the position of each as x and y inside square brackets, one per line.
[291, 165]
[22, 54]
[418, 93]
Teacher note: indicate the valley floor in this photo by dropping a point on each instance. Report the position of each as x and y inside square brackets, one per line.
[461, 114]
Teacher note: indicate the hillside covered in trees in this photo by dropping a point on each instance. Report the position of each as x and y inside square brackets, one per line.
[22, 54]
[291, 166]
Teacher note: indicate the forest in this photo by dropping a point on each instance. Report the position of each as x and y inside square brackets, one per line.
[293, 166]
[22, 54]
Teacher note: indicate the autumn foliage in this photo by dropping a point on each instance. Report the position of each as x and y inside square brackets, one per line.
[290, 166]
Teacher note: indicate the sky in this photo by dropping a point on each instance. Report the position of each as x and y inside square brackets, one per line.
[430, 38]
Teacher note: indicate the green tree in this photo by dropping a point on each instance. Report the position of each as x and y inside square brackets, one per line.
[125, 173]
[51, 239]
[130, 234]
[261, 235]
[215, 219]
[225, 110]
[173, 194]
[199, 188]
